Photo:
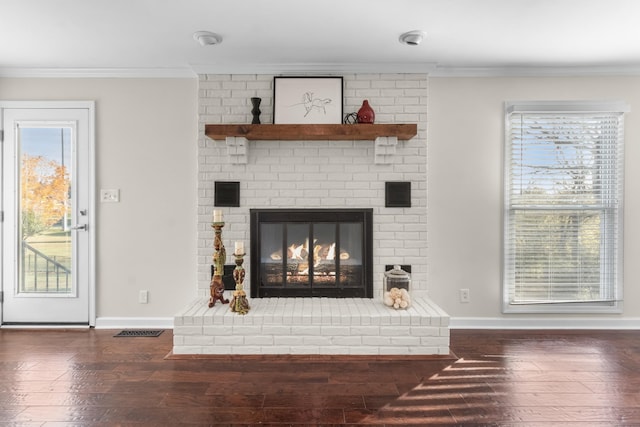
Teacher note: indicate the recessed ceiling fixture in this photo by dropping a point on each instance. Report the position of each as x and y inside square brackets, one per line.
[207, 38]
[413, 38]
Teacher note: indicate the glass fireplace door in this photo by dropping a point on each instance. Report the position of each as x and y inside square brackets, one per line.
[302, 257]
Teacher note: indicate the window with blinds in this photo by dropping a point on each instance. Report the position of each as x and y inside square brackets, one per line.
[563, 207]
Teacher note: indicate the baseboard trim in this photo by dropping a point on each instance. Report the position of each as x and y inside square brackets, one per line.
[43, 326]
[546, 323]
[455, 323]
[134, 322]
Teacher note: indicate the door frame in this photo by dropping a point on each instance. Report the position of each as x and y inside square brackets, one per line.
[90, 106]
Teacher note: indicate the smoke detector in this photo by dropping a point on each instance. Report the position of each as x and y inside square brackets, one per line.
[207, 38]
[412, 38]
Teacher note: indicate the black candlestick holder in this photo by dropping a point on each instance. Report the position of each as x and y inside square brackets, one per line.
[255, 102]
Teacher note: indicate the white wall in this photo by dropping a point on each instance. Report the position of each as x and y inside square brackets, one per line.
[465, 144]
[146, 146]
[146, 138]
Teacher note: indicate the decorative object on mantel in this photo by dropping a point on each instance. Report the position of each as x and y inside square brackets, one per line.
[255, 102]
[239, 303]
[366, 115]
[350, 119]
[307, 100]
[216, 287]
[396, 288]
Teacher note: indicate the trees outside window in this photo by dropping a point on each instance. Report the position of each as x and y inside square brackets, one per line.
[45, 193]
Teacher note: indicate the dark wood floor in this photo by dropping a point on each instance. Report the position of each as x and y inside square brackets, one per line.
[503, 378]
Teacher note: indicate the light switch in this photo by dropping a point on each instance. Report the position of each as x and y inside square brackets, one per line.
[109, 196]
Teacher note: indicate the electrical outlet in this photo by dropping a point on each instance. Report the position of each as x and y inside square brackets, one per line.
[464, 295]
[109, 196]
[143, 297]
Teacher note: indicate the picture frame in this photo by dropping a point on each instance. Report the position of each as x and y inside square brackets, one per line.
[307, 100]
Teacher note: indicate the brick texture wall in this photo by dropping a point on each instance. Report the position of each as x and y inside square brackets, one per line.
[318, 174]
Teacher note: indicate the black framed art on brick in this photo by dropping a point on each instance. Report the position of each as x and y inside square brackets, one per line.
[397, 194]
[227, 194]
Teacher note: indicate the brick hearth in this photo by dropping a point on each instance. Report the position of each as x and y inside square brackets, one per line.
[313, 326]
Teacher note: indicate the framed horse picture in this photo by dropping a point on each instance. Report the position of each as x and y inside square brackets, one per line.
[307, 100]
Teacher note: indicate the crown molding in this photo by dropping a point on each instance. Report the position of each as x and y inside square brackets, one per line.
[313, 68]
[166, 73]
[432, 69]
[536, 71]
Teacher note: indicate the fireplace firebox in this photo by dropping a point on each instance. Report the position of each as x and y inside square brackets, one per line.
[311, 253]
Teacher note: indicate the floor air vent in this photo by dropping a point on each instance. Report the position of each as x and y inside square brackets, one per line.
[139, 333]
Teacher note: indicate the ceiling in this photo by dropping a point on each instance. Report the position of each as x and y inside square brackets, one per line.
[154, 37]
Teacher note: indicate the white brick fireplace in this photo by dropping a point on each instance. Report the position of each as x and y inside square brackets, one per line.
[316, 174]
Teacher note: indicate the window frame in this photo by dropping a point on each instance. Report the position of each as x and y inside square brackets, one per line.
[568, 107]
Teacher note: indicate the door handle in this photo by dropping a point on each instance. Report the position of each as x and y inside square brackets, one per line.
[83, 227]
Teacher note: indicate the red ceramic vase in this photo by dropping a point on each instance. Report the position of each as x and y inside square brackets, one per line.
[366, 113]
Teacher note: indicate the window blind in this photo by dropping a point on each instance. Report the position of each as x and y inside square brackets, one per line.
[563, 206]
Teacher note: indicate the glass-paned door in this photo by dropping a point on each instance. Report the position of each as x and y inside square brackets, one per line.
[46, 274]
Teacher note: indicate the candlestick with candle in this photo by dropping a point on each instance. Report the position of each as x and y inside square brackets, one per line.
[239, 303]
[219, 258]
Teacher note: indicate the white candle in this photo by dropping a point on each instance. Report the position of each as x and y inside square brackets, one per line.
[217, 215]
[239, 248]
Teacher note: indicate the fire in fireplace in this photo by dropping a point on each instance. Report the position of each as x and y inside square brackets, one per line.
[311, 253]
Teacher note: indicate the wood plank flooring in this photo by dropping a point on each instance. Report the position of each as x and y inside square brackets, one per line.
[493, 378]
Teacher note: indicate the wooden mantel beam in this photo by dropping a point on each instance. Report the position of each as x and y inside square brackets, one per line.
[314, 132]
